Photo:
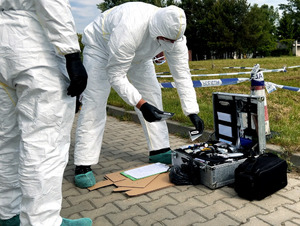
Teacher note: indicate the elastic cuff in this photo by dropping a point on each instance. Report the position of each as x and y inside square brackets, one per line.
[72, 55]
[82, 169]
[140, 103]
[160, 151]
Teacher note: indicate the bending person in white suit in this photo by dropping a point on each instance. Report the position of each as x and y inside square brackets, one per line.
[119, 46]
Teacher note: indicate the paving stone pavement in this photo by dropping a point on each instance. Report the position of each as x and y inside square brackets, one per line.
[124, 147]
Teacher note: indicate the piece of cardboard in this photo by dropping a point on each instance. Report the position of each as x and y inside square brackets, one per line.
[118, 189]
[136, 187]
[101, 184]
[162, 181]
[115, 177]
[141, 183]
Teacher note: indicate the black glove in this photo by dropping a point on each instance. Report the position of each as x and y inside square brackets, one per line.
[77, 74]
[149, 112]
[197, 121]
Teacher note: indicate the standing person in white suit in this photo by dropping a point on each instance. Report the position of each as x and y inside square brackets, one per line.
[38, 43]
[119, 46]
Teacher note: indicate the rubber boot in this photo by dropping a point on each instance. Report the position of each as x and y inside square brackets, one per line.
[77, 222]
[163, 156]
[14, 221]
[84, 177]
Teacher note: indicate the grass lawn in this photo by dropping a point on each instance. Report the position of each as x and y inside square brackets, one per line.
[283, 105]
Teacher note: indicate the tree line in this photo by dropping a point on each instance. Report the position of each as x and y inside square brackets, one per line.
[233, 28]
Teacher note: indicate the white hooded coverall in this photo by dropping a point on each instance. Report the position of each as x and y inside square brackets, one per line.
[119, 46]
[36, 115]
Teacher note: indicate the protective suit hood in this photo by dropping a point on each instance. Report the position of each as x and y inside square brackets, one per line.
[168, 22]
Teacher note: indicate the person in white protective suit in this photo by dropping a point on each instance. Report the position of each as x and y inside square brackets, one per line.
[37, 107]
[119, 46]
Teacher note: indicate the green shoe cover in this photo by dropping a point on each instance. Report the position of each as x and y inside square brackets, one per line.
[85, 180]
[77, 222]
[14, 221]
[162, 158]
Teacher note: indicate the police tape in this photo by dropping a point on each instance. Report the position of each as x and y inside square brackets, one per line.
[257, 81]
[207, 75]
[271, 87]
[293, 66]
[250, 68]
[167, 72]
[262, 69]
[230, 81]
[256, 78]
[208, 83]
[226, 74]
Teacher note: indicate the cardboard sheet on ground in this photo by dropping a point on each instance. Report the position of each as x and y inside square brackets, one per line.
[134, 187]
[136, 183]
[162, 181]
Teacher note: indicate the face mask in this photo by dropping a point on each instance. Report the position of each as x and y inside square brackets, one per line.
[166, 45]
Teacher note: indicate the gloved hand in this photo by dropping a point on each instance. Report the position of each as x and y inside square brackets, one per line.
[149, 112]
[197, 121]
[77, 74]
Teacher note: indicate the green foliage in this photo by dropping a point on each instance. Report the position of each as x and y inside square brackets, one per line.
[107, 4]
[80, 41]
[225, 21]
[197, 26]
[291, 16]
[286, 29]
[80, 44]
[285, 48]
[223, 29]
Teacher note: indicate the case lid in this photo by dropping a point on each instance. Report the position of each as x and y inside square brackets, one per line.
[239, 119]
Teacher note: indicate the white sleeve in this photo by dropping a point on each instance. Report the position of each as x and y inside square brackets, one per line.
[178, 63]
[121, 53]
[56, 18]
